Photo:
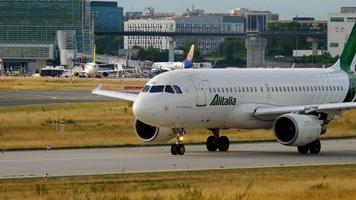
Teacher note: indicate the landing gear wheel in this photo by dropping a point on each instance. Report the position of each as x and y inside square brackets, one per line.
[174, 149]
[211, 143]
[315, 147]
[303, 149]
[223, 143]
[181, 149]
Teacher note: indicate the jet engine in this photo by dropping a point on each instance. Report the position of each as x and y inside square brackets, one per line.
[297, 129]
[148, 133]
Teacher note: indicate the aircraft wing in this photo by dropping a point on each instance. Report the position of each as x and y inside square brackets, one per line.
[114, 94]
[306, 109]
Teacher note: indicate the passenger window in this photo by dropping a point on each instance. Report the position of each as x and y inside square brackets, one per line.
[177, 89]
[218, 90]
[338, 89]
[243, 89]
[146, 88]
[255, 89]
[247, 89]
[239, 89]
[227, 90]
[272, 88]
[342, 88]
[222, 90]
[214, 90]
[235, 89]
[210, 90]
[251, 89]
[334, 88]
[231, 90]
[277, 89]
[169, 89]
[330, 88]
[261, 89]
[157, 89]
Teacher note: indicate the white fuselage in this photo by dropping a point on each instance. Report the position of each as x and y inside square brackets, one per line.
[227, 98]
[167, 66]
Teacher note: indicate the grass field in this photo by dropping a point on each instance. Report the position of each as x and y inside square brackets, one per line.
[317, 182]
[42, 83]
[107, 124]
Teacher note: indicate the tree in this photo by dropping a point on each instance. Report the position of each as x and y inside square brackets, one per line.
[152, 54]
[234, 51]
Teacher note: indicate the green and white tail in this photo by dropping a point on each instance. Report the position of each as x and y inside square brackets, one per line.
[347, 59]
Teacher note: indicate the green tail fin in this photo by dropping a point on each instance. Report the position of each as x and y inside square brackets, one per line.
[349, 51]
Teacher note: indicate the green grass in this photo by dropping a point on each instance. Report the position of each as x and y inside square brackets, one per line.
[316, 182]
[107, 124]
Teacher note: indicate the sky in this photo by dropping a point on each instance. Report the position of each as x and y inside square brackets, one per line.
[287, 9]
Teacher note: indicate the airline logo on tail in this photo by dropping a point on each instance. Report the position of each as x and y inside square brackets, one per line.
[188, 62]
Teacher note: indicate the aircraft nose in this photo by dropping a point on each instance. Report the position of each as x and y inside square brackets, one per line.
[143, 111]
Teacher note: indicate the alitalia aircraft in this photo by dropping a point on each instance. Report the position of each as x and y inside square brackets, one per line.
[297, 104]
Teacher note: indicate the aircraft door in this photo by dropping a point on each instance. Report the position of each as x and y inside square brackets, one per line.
[200, 90]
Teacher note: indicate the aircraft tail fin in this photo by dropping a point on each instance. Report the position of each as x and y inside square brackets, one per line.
[188, 62]
[347, 58]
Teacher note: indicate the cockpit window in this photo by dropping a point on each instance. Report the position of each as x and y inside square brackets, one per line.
[157, 88]
[169, 89]
[177, 89]
[146, 88]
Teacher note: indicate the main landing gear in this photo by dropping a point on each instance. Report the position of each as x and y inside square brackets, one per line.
[216, 142]
[313, 148]
[178, 148]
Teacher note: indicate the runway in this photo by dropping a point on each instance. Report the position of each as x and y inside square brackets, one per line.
[29, 97]
[20, 164]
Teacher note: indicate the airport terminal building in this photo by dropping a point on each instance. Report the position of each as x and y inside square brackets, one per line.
[30, 31]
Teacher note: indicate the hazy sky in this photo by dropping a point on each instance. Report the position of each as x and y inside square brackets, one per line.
[286, 8]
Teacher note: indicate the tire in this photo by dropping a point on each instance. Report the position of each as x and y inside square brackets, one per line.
[211, 143]
[315, 147]
[303, 149]
[181, 149]
[174, 149]
[223, 143]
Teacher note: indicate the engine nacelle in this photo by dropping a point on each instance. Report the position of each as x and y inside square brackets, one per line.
[148, 133]
[297, 130]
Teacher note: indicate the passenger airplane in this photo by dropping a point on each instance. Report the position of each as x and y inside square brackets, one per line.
[169, 66]
[296, 103]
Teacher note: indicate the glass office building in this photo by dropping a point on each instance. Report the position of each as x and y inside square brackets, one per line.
[28, 28]
[108, 16]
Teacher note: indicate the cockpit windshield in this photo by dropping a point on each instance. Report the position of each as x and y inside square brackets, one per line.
[157, 89]
[172, 89]
[177, 89]
[146, 88]
[169, 89]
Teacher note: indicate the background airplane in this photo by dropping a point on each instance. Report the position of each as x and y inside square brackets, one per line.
[169, 66]
[297, 104]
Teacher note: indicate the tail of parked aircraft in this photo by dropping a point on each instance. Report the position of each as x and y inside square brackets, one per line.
[347, 61]
[188, 62]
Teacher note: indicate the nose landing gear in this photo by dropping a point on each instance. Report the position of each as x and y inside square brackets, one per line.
[178, 148]
[215, 142]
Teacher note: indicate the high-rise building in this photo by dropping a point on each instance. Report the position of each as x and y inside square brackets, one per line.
[339, 29]
[28, 29]
[255, 21]
[149, 25]
[207, 24]
[108, 16]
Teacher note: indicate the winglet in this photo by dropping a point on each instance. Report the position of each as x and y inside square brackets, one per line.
[98, 88]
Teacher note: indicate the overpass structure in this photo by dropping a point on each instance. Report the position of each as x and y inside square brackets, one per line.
[255, 42]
